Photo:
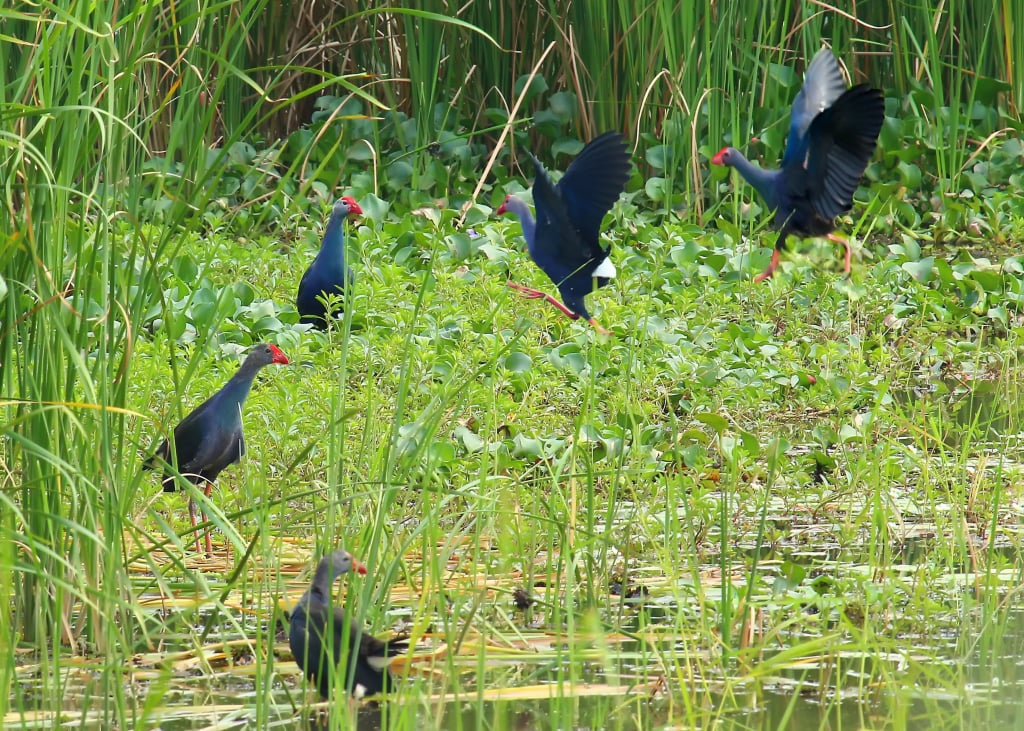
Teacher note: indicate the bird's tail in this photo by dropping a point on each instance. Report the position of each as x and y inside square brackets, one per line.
[157, 461]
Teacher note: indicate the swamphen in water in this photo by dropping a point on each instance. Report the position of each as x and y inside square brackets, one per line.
[317, 633]
[210, 438]
[327, 275]
[564, 239]
[832, 135]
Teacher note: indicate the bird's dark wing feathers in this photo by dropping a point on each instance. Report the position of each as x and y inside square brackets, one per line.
[556, 234]
[823, 84]
[189, 439]
[841, 141]
[592, 184]
[569, 214]
[201, 447]
[370, 646]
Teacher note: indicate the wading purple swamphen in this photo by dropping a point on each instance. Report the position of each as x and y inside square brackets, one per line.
[318, 631]
[210, 438]
[327, 275]
[564, 238]
[832, 135]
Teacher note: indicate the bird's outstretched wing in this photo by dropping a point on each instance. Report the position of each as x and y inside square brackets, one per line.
[841, 141]
[569, 214]
[823, 85]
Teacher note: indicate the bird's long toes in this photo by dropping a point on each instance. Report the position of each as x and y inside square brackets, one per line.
[598, 328]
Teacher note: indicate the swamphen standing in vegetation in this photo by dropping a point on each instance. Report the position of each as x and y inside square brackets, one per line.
[210, 438]
[832, 135]
[564, 238]
[327, 275]
[317, 633]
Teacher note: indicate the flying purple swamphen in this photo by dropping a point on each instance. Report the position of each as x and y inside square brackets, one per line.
[317, 633]
[564, 239]
[327, 275]
[210, 438]
[832, 135]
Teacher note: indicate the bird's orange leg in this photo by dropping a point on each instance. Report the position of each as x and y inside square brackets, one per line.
[846, 246]
[597, 327]
[767, 273]
[534, 294]
[209, 544]
[208, 490]
[526, 292]
[195, 521]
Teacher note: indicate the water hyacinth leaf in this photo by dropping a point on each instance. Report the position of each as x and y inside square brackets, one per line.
[849, 433]
[658, 156]
[527, 447]
[783, 75]
[715, 421]
[375, 209]
[568, 356]
[921, 270]
[441, 452]
[529, 86]
[469, 440]
[185, 268]
[399, 173]
[999, 314]
[566, 146]
[518, 362]
[244, 293]
[266, 325]
[657, 189]
[461, 245]
[1012, 265]
[750, 443]
[729, 447]
[910, 175]
[563, 105]
[988, 279]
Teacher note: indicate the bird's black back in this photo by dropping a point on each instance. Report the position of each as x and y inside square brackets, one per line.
[320, 656]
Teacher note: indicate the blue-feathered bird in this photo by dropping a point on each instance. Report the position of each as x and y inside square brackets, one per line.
[328, 274]
[563, 240]
[210, 438]
[318, 632]
[832, 135]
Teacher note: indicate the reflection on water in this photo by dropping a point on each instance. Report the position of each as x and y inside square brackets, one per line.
[981, 411]
[985, 693]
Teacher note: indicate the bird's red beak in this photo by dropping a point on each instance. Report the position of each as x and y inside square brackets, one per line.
[502, 208]
[358, 566]
[719, 158]
[279, 356]
[353, 207]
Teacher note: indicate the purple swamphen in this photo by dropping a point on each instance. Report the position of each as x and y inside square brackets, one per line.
[318, 631]
[210, 438]
[327, 275]
[832, 135]
[564, 239]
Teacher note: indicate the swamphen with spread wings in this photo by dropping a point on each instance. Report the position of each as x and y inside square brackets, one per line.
[564, 239]
[317, 633]
[327, 275]
[832, 135]
[210, 438]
